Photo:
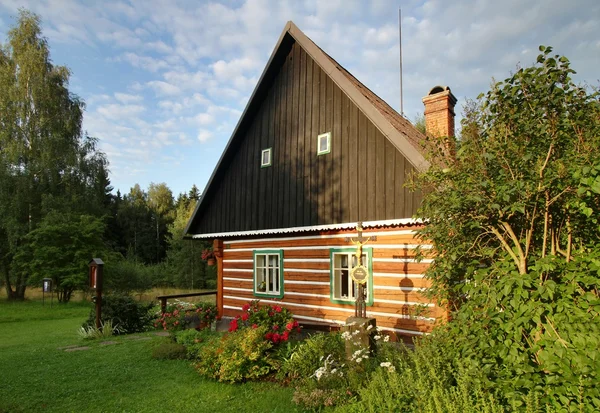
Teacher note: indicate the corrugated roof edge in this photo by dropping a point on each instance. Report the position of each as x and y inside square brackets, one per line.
[347, 225]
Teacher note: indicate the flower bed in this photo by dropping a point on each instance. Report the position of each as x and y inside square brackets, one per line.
[181, 315]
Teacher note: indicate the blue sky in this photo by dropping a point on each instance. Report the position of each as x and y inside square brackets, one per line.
[166, 81]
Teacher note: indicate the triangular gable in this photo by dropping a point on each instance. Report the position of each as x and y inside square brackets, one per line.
[398, 131]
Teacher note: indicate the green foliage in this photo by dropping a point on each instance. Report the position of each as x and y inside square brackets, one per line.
[167, 350]
[60, 249]
[46, 162]
[107, 329]
[181, 315]
[239, 356]
[130, 315]
[308, 356]
[278, 321]
[514, 225]
[185, 262]
[127, 276]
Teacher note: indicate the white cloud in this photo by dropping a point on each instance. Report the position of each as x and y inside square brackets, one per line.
[164, 88]
[201, 60]
[117, 111]
[204, 135]
[144, 62]
[127, 98]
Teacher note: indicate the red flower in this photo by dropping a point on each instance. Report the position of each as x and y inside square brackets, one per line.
[246, 307]
[277, 309]
[275, 327]
[298, 330]
[254, 325]
[295, 323]
[245, 316]
[289, 326]
[271, 313]
[285, 336]
[269, 336]
[276, 338]
[233, 326]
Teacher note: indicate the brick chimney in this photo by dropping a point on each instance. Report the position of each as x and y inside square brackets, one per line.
[439, 112]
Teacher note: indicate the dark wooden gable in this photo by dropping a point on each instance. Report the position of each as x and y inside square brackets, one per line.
[361, 179]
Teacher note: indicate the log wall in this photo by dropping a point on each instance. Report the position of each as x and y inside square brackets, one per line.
[398, 284]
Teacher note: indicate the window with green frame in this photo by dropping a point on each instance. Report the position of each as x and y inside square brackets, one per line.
[343, 289]
[268, 273]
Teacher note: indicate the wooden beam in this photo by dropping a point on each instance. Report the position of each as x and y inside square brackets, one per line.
[218, 251]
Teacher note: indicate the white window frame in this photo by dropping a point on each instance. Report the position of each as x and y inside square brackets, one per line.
[264, 164]
[340, 275]
[321, 151]
[268, 273]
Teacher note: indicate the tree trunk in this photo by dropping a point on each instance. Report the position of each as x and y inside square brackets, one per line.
[10, 294]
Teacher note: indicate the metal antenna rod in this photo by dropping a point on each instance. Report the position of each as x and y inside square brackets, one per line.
[400, 38]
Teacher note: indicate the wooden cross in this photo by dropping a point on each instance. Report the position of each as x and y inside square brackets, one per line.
[360, 309]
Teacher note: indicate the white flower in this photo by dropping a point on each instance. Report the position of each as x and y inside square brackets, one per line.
[386, 364]
[355, 332]
[333, 371]
[386, 339]
[392, 369]
[346, 335]
[358, 360]
[369, 327]
[377, 337]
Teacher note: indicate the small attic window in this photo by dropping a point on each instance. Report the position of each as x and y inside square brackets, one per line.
[324, 143]
[265, 158]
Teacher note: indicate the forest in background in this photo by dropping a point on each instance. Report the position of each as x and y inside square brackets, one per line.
[57, 207]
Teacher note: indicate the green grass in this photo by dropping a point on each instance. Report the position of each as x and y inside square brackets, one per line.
[36, 376]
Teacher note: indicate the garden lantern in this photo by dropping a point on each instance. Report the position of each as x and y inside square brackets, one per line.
[47, 288]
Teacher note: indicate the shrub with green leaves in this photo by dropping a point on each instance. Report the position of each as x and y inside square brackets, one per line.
[181, 315]
[514, 222]
[308, 356]
[125, 312]
[239, 356]
[279, 321]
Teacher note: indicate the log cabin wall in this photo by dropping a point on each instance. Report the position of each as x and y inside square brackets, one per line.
[398, 281]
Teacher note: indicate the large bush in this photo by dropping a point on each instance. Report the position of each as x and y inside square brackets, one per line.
[124, 312]
[513, 220]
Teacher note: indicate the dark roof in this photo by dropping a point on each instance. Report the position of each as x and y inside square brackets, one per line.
[399, 131]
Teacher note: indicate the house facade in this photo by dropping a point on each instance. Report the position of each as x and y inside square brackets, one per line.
[315, 153]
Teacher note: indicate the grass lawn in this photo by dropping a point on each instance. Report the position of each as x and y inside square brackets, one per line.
[37, 375]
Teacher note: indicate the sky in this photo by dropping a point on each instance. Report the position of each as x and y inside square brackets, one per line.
[165, 81]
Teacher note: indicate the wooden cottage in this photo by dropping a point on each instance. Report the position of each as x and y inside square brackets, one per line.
[314, 153]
